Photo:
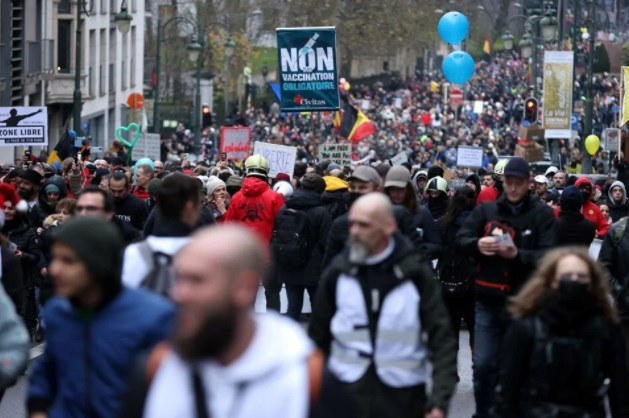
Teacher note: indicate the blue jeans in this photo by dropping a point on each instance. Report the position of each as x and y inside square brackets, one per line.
[491, 323]
[295, 295]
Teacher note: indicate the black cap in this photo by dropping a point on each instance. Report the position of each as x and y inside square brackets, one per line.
[571, 199]
[517, 167]
[31, 176]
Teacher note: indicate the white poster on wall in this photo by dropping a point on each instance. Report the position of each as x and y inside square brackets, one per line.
[23, 126]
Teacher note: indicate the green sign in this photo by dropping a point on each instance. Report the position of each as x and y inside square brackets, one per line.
[307, 69]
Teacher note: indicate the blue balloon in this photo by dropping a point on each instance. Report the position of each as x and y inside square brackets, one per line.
[458, 67]
[453, 27]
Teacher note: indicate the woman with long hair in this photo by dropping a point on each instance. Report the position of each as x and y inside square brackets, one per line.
[455, 269]
[564, 352]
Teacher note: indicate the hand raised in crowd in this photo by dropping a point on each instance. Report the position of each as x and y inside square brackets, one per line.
[219, 202]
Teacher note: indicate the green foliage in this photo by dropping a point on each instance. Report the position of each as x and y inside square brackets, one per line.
[261, 57]
[601, 59]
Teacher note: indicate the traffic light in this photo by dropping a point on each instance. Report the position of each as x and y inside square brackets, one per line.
[206, 114]
[530, 110]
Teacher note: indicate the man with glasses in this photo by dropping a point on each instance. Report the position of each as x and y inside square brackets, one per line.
[94, 201]
[159, 168]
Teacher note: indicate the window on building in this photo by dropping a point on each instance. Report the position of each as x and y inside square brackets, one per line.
[103, 6]
[134, 6]
[112, 6]
[64, 7]
[92, 64]
[64, 45]
[102, 69]
[112, 71]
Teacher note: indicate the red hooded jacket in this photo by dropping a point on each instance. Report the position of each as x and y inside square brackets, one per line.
[255, 205]
[591, 211]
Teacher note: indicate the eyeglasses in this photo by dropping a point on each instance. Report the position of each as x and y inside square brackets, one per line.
[576, 277]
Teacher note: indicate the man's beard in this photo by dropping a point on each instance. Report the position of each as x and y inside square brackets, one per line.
[216, 333]
[26, 194]
[358, 252]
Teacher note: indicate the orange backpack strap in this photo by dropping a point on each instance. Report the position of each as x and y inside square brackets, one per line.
[155, 359]
[316, 363]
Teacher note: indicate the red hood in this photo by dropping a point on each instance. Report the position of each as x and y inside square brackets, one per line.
[585, 180]
[253, 186]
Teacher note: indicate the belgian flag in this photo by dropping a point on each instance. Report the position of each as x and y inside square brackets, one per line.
[487, 49]
[355, 126]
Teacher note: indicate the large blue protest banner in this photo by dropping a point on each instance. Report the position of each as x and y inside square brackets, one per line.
[307, 69]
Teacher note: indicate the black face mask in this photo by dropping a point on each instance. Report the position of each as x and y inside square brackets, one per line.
[353, 196]
[585, 195]
[573, 294]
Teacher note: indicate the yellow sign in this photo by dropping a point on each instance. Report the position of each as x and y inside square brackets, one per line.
[625, 96]
[558, 89]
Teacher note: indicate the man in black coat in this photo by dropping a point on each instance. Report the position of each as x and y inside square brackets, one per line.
[128, 208]
[571, 228]
[298, 279]
[507, 237]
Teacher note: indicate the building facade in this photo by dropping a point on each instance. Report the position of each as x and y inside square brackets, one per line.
[37, 54]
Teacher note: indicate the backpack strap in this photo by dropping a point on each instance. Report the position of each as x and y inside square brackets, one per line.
[155, 359]
[146, 252]
[316, 364]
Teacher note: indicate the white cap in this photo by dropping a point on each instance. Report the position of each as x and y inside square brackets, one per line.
[541, 179]
[551, 169]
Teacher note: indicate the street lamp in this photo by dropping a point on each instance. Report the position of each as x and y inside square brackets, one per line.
[507, 40]
[548, 25]
[526, 46]
[194, 50]
[123, 19]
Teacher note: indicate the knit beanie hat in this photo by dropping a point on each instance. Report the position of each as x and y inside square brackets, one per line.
[52, 188]
[314, 182]
[212, 184]
[99, 245]
[571, 199]
[435, 171]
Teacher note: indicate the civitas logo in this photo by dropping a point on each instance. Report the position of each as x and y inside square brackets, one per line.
[300, 101]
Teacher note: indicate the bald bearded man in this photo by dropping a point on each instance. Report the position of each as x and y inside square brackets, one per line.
[373, 305]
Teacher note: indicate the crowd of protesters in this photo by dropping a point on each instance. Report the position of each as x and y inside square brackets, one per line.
[148, 273]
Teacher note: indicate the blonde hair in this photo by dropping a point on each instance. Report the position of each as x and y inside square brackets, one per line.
[539, 287]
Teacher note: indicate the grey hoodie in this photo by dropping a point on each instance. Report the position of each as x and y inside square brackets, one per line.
[618, 210]
[624, 192]
[14, 346]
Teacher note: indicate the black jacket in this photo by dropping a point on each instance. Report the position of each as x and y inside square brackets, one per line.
[130, 234]
[455, 266]
[369, 391]
[319, 220]
[571, 228]
[613, 256]
[13, 278]
[531, 380]
[531, 225]
[617, 210]
[408, 224]
[131, 210]
[42, 208]
[159, 226]
[335, 202]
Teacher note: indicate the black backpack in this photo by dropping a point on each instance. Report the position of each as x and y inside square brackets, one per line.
[161, 276]
[292, 239]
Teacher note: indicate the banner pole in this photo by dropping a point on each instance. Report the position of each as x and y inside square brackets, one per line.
[621, 113]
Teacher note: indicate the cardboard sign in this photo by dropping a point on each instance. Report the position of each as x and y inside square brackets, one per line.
[281, 158]
[478, 107]
[340, 154]
[148, 146]
[402, 157]
[307, 69]
[611, 139]
[236, 142]
[23, 126]
[469, 157]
